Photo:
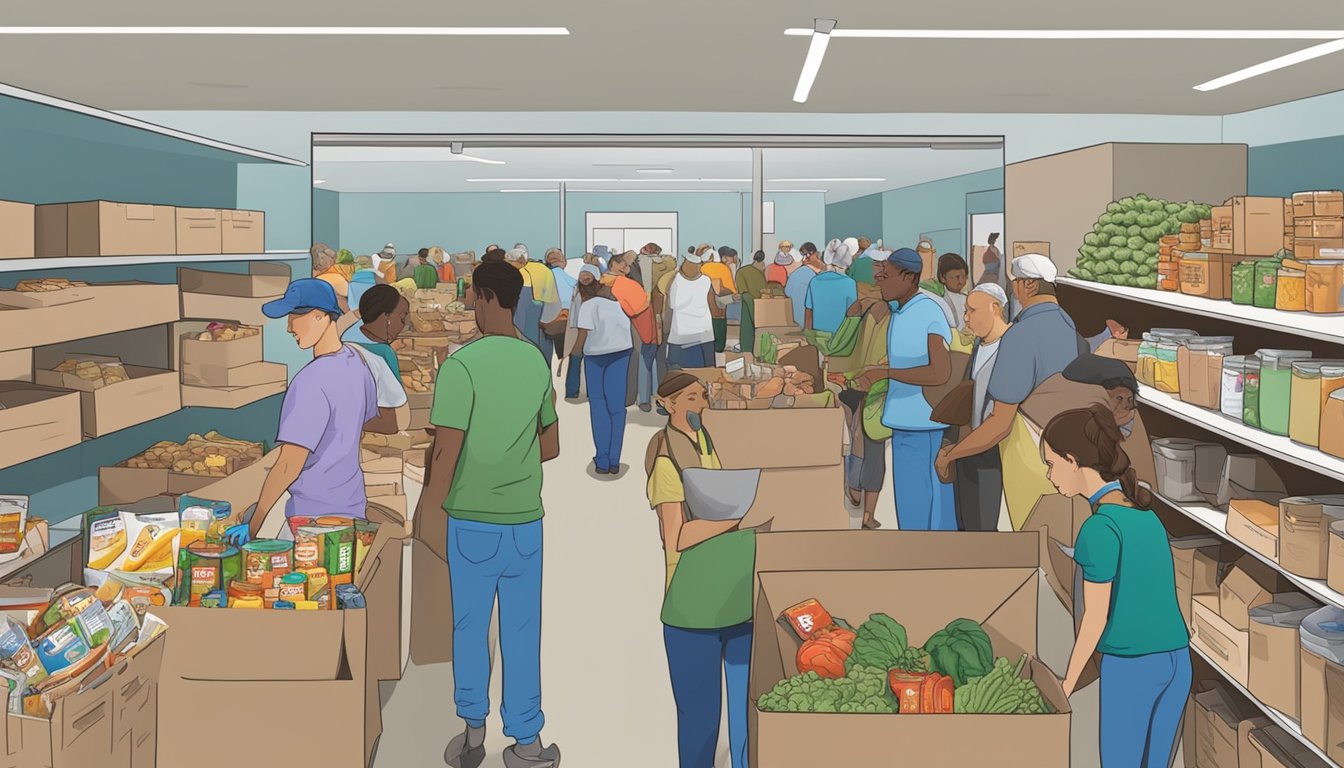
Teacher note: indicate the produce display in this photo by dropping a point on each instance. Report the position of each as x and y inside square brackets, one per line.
[210, 455]
[1125, 246]
[226, 332]
[68, 636]
[875, 670]
[96, 373]
[47, 285]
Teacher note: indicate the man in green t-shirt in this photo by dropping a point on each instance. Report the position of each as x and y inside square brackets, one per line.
[495, 423]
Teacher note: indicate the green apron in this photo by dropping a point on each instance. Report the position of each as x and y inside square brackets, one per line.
[712, 585]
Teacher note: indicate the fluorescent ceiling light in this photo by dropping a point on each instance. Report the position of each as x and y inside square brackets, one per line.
[1306, 54]
[815, 178]
[821, 38]
[666, 191]
[530, 190]
[319, 181]
[654, 170]
[532, 181]
[395, 155]
[293, 31]
[686, 181]
[1079, 34]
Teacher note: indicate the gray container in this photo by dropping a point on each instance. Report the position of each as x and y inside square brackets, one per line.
[1188, 471]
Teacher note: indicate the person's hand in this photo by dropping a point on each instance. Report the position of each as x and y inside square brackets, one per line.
[1067, 686]
[943, 464]
[837, 379]
[1117, 330]
[238, 535]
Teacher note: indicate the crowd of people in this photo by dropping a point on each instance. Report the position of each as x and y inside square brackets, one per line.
[982, 396]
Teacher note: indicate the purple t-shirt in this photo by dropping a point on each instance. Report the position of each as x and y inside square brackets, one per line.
[325, 410]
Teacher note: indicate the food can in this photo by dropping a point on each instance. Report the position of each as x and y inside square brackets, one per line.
[293, 586]
[266, 561]
[240, 589]
[208, 568]
[253, 603]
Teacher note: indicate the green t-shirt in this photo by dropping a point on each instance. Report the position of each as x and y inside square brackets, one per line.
[862, 271]
[1128, 548]
[425, 276]
[498, 391]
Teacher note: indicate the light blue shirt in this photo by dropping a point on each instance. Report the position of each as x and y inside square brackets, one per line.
[908, 347]
[564, 283]
[830, 296]
[796, 290]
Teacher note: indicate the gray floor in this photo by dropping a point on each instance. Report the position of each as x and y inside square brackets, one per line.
[606, 694]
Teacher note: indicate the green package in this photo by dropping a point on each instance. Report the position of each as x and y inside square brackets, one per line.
[338, 551]
[1243, 283]
[1266, 283]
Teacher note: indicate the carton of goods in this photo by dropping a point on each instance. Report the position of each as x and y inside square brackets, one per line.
[1257, 225]
[1196, 561]
[1276, 669]
[112, 396]
[239, 396]
[261, 280]
[852, 630]
[36, 421]
[1328, 203]
[1227, 646]
[1319, 228]
[199, 231]
[1304, 533]
[1316, 247]
[82, 680]
[215, 345]
[168, 468]
[108, 308]
[774, 311]
[18, 237]
[102, 228]
[246, 375]
[1249, 584]
[1218, 714]
[1256, 524]
[43, 292]
[243, 231]
[1322, 682]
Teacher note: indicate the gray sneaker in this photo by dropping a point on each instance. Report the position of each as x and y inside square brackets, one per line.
[459, 755]
[547, 758]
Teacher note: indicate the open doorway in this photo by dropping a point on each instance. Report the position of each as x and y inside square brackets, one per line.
[631, 231]
[983, 225]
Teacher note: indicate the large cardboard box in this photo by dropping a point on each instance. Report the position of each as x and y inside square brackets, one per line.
[103, 228]
[102, 309]
[380, 581]
[36, 421]
[110, 721]
[1257, 225]
[189, 350]
[16, 365]
[1058, 519]
[923, 580]
[198, 231]
[802, 481]
[210, 306]
[243, 231]
[1316, 247]
[306, 670]
[234, 397]
[18, 223]
[1323, 203]
[246, 375]
[148, 394]
[1248, 585]
[1323, 704]
[1227, 646]
[1197, 563]
[773, 311]
[1217, 723]
[126, 485]
[1276, 669]
[262, 280]
[1256, 524]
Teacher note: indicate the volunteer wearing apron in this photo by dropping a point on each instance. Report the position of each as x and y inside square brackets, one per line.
[706, 610]
[1130, 611]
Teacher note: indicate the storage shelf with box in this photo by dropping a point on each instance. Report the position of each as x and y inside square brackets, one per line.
[1273, 445]
[1283, 721]
[1324, 327]
[26, 265]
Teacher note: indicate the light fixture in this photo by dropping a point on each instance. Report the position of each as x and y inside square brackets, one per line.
[370, 154]
[532, 181]
[654, 170]
[552, 191]
[1080, 34]
[456, 148]
[293, 31]
[820, 178]
[821, 38]
[1265, 67]
[319, 181]
[685, 181]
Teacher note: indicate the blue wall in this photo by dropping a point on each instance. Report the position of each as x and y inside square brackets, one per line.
[936, 206]
[800, 217]
[1279, 170]
[455, 221]
[326, 217]
[859, 217]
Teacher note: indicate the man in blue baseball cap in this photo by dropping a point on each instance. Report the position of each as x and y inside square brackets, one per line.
[917, 357]
[325, 411]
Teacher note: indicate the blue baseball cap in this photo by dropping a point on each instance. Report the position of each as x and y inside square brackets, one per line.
[906, 259]
[303, 295]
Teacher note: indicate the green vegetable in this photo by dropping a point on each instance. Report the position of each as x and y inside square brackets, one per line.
[1142, 270]
[1145, 282]
[1092, 240]
[1131, 219]
[1136, 243]
[1101, 268]
[1114, 208]
[1152, 249]
[881, 642]
[1002, 691]
[862, 690]
[1133, 231]
[1188, 215]
[961, 651]
[1122, 255]
[1128, 267]
[1118, 241]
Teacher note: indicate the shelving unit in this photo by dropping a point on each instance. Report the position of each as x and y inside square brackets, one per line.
[73, 262]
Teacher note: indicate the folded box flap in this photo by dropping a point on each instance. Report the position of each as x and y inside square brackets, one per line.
[895, 551]
[777, 438]
[284, 645]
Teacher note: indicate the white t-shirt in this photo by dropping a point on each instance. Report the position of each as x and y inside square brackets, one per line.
[607, 326]
[388, 384]
[689, 302]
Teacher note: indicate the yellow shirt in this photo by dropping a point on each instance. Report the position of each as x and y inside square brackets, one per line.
[1025, 478]
[664, 487]
[539, 277]
[338, 281]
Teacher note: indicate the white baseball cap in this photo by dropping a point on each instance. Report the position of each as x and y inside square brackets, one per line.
[1034, 266]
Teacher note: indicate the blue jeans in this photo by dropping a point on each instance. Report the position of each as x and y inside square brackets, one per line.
[1142, 701]
[690, 356]
[486, 560]
[572, 375]
[923, 502]
[607, 378]
[647, 358]
[694, 658]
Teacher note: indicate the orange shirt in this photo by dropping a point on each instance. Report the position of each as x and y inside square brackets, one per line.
[446, 274]
[635, 302]
[717, 270]
[777, 273]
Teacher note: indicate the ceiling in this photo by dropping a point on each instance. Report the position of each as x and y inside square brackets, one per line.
[689, 55]
[381, 169]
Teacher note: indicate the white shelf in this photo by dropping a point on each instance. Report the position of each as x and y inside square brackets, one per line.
[75, 262]
[113, 117]
[1217, 522]
[1283, 721]
[1264, 442]
[1325, 327]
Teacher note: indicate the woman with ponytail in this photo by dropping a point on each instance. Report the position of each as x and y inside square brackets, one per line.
[1130, 611]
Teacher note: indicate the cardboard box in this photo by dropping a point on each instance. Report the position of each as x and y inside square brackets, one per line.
[209, 306]
[1023, 247]
[16, 365]
[1323, 704]
[198, 231]
[232, 397]
[246, 375]
[1220, 220]
[1256, 524]
[1323, 228]
[39, 299]
[1058, 519]
[1257, 225]
[148, 394]
[392, 511]
[1216, 729]
[773, 311]
[1304, 534]
[127, 485]
[1270, 746]
[317, 657]
[107, 308]
[18, 230]
[923, 580]
[380, 581]
[243, 231]
[36, 421]
[103, 228]
[1249, 584]
[1227, 646]
[1196, 563]
[431, 604]
[1276, 669]
[1323, 203]
[1124, 350]
[213, 354]
[262, 280]
[1311, 248]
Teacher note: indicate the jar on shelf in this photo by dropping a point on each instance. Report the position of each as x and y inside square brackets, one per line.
[1309, 393]
[1233, 384]
[1157, 357]
[1199, 369]
[1291, 293]
[1332, 424]
[1275, 388]
[1325, 286]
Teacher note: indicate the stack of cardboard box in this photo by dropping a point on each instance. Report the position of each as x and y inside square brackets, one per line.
[17, 233]
[1318, 223]
[105, 228]
[1222, 619]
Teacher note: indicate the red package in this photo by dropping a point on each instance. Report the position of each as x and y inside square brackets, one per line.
[807, 618]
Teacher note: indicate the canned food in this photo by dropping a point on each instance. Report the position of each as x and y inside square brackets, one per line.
[293, 586]
[266, 561]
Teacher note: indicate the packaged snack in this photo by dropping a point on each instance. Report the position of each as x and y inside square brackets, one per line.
[365, 533]
[308, 547]
[13, 525]
[107, 539]
[253, 603]
[206, 568]
[318, 587]
[203, 520]
[348, 597]
[125, 624]
[338, 552]
[142, 598]
[60, 648]
[807, 618]
[84, 612]
[17, 654]
[151, 542]
[15, 683]
[306, 605]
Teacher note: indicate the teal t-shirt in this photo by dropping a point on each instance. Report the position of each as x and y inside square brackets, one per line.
[1128, 548]
[497, 390]
[385, 351]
